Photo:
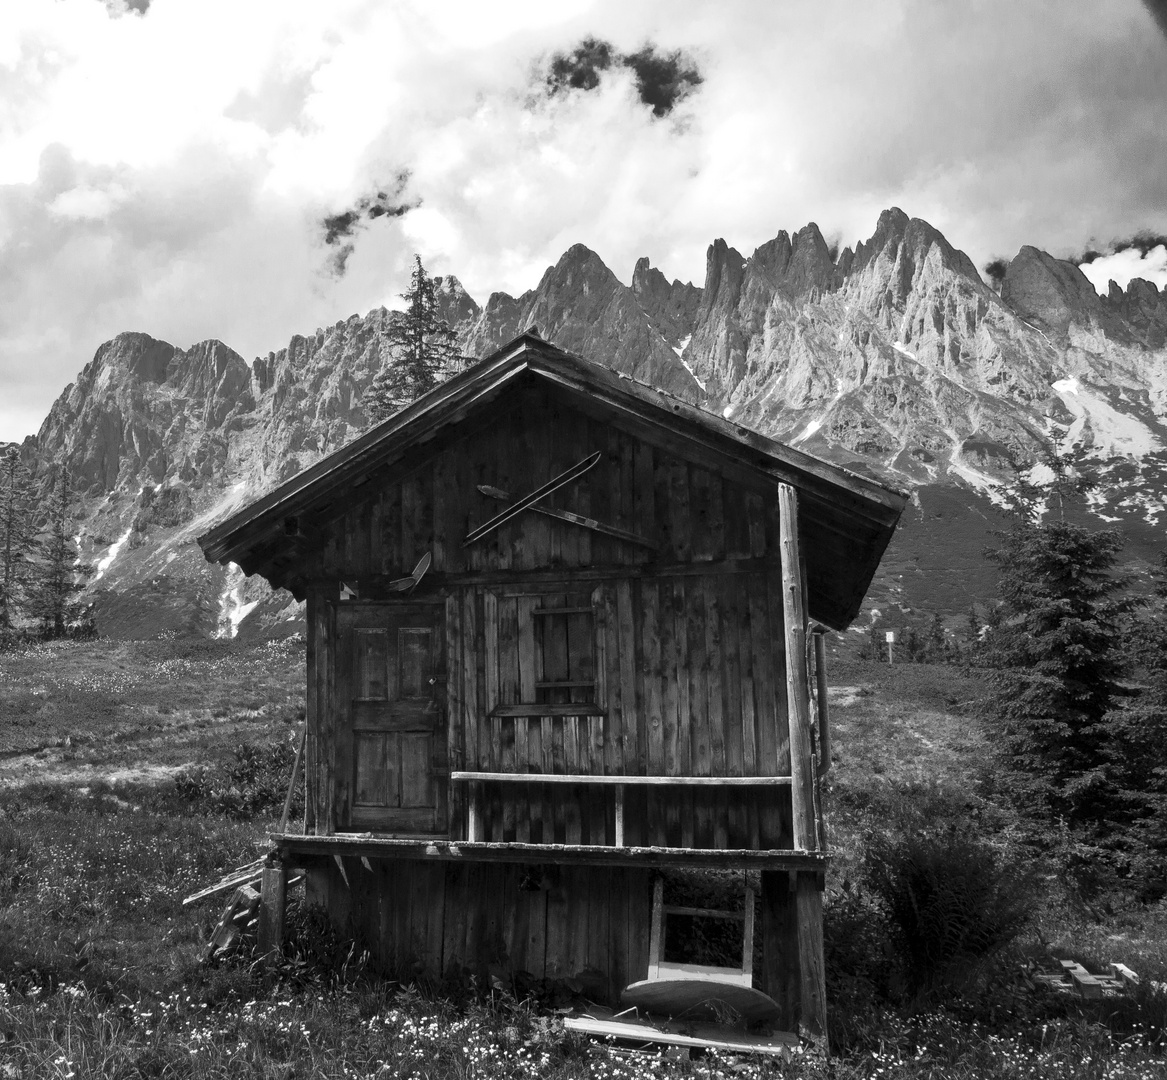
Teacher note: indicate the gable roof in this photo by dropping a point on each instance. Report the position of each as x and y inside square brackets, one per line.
[846, 520]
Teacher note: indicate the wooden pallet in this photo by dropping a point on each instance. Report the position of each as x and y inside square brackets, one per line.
[1073, 978]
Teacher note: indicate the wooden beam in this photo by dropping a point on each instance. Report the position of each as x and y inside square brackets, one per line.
[294, 845]
[621, 781]
[797, 685]
[273, 901]
[808, 900]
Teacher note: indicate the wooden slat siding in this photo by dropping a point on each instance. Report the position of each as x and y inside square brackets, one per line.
[680, 518]
[766, 702]
[470, 706]
[632, 725]
[342, 737]
[490, 676]
[717, 526]
[578, 496]
[608, 678]
[514, 741]
[515, 929]
[479, 879]
[644, 516]
[599, 921]
[580, 898]
[756, 518]
[749, 699]
[455, 711]
[696, 825]
[326, 758]
[435, 909]
[776, 606]
[700, 499]
[652, 674]
[312, 608]
[735, 820]
[670, 759]
[454, 920]
[389, 557]
[737, 523]
[780, 972]
[411, 524]
[445, 509]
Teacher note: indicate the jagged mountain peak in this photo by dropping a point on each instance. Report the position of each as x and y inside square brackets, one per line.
[894, 356]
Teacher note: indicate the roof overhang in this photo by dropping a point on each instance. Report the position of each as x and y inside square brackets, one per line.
[857, 514]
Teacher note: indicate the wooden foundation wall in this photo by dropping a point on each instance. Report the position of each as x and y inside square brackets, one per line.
[455, 919]
[590, 924]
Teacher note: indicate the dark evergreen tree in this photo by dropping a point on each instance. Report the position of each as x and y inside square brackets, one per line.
[972, 630]
[59, 576]
[423, 350]
[1134, 765]
[1056, 646]
[17, 534]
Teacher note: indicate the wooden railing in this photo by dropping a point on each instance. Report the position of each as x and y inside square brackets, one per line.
[476, 781]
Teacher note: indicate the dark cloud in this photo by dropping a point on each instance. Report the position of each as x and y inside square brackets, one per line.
[994, 270]
[340, 230]
[1143, 242]
[1158, 10]
[663, 80]
[579, 69]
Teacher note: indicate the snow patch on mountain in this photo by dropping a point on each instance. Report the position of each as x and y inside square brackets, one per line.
[1110, 430]
[104, 563]
[807, 432]
[232, 607]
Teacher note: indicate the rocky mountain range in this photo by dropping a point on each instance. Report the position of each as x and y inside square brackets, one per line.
[896, 358]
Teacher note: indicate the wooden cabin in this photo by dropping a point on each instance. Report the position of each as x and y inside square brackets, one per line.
[558, 643]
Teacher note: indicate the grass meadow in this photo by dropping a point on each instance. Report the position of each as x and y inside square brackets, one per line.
[134, 773]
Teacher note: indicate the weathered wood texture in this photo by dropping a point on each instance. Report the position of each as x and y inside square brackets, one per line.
[449, 919]
[430, 502]
[673, 689]
[676, 660]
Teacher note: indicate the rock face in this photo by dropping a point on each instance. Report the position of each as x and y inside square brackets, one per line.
[894, 358]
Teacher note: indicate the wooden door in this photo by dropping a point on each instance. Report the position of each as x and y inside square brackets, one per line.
[398, 771]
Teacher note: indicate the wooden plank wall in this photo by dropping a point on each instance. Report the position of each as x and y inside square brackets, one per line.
[688, 667]
[447, 918]
[688, 675]
[688, 510]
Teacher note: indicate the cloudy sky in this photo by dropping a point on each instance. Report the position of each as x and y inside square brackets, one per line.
[168, 166]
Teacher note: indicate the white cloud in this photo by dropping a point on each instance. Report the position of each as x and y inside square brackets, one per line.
[168, 172]
[1122, 266]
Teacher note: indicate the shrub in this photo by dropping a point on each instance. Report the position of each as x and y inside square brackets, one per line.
[948, 897]
[256, 782]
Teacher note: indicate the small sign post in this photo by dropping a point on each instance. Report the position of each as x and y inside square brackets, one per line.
[892, 636]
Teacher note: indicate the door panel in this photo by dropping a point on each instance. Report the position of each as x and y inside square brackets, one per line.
[395, 719]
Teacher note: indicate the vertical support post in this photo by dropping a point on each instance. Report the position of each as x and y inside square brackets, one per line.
[807, 900]
[780, 946]
[619, 815]
[474, 822]
[748, 937]
[656, 936]
[273, 893]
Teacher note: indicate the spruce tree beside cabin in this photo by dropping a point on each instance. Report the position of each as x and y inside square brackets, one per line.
[423, 350]
[1056, 649]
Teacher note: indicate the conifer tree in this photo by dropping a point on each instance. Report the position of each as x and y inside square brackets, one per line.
[17, 534]
[423, 350]
[1134, 765]
[1056, 646]
[59, 576]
